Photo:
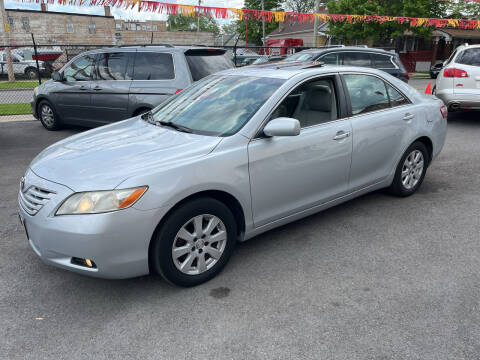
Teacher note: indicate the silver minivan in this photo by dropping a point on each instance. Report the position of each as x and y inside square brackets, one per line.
[107, 85]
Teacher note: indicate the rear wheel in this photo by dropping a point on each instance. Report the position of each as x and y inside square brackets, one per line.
[194, 243]
[31, 73]
[410, 170]
[47, 115]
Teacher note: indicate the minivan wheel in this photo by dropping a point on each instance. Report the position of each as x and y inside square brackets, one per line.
[410, 170]
[48, 116]
[194, 243]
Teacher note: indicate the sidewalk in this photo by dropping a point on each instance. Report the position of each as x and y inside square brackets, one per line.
[12, 118]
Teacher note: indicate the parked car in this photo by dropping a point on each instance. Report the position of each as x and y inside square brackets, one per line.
[435, 69]
[355, 56]
[27, 68]
[102, 86]
[458, 84]
[232, 156]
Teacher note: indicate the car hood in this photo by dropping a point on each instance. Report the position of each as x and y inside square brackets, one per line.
[102, 158]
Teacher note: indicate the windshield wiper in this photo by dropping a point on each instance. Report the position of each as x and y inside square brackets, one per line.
[175, 126]
[148, 117]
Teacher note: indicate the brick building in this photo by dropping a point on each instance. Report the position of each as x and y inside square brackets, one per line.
[67, 28]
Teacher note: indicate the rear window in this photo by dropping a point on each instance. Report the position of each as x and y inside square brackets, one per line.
[382, 61]
[153, 66]
[206, 62]
[469, 57]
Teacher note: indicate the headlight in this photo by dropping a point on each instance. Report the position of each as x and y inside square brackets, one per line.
[95, 202]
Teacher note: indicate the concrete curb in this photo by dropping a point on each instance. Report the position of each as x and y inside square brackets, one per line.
[13, 118]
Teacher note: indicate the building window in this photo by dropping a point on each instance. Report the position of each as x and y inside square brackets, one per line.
[25, 24]
[155, 28]
[133, 27]
[10, 22]
[144, 28]
[69, 27]
[91, 28]
[149, 27]
[118, 26]
[139, 28]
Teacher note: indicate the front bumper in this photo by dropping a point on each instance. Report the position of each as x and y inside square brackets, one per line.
[117, 242]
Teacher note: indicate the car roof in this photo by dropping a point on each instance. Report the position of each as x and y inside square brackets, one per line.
[289, 70]
[158, 47]
[347, 48]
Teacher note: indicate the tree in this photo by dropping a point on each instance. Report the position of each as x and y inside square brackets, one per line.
[186, 23]
[301, 6]
[229, 28]
[372, 31]
[254, 26]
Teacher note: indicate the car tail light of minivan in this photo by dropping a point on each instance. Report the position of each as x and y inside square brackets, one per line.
[444, 111]
[178, 91]
[406, 75]
[455, 73]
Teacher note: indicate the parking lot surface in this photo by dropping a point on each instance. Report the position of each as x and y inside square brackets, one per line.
[376, 278]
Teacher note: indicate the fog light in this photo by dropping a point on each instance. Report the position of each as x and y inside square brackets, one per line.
[83, 262]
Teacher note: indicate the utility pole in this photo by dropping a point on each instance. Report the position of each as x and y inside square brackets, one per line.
[316, 10]
[263, 23]
[198, 16]
[8, 54]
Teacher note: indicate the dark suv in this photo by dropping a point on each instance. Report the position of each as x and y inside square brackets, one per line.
[106, 85]
[355, 56]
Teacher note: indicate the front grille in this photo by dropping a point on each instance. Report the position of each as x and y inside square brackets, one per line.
[33, 199]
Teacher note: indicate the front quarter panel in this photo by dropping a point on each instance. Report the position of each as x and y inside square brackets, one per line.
[224, 169]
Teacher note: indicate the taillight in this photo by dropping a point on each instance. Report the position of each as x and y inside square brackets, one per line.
[178, 91]
[406, 75]
[455, 73]
[444, 111]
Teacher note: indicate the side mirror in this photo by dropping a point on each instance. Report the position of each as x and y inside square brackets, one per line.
[56, 76]
[282, 126]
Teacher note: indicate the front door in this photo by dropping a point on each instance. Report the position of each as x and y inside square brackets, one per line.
[111, 85]
[292, 174]
[72, 95]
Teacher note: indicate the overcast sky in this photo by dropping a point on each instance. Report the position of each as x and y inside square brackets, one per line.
[121, 12]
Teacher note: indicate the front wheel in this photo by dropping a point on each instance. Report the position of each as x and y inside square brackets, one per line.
[31, 73]
[410, 170]
[194, 243]
[47, 115]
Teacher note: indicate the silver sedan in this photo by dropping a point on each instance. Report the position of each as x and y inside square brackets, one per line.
[234, 155]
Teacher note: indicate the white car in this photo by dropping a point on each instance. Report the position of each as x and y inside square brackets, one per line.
[458, 83]
[21, 66]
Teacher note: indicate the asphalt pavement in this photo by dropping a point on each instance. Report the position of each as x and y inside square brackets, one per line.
[375, 278]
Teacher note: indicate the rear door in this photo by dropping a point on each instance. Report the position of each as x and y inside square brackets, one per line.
[469, 84]
[383, 120]
[110, 88]
[156, 77]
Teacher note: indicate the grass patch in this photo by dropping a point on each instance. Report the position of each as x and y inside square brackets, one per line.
[15, 109]
[19, 84]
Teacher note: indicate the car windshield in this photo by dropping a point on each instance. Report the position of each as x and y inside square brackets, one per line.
[300, 57]
[218, 105]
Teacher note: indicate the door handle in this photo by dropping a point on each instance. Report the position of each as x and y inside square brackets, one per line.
[83, 87]
[341, 135]
[408, 117]
[97, 88]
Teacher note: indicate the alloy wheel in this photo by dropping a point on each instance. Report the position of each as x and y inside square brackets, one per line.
[199, 244]
[412, 169]
[46, 113]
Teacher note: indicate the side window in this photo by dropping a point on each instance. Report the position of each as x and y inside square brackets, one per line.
[112, 66]
[331, 59]
[357, 59]
[382, 61]
[470, 57]
[367, 93]
[311, 103]
[80, 69]
[153, 66]
[396, 99]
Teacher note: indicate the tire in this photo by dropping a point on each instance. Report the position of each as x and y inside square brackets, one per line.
[141, 111]
[408, 176]
[31, 73]
[48, 116]
[176, 245]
